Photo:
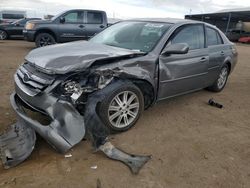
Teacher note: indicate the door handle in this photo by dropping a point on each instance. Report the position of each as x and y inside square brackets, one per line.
[203, 59]
[222, 53]
[101, 26]
[81, 26]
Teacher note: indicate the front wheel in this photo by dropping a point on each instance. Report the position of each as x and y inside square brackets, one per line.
[44, 39]
[122, 108]
[3, 35]
[221, 81]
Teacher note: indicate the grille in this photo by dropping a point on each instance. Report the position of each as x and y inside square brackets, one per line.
[34, 78]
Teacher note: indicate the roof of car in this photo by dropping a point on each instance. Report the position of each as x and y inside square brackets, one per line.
[166, 20]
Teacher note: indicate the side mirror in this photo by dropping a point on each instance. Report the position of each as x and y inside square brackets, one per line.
[179, 48]
[62, 20]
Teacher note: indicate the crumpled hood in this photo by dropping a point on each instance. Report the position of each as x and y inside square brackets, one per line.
[63, 58]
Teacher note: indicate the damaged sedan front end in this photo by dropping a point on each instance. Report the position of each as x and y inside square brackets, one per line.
[61, 97]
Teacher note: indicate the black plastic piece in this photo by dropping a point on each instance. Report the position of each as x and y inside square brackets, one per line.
[211, 102]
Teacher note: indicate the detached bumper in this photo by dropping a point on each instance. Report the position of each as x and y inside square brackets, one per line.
[16, 144]
[66, 128]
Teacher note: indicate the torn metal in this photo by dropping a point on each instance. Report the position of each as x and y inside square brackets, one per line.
[134, 162]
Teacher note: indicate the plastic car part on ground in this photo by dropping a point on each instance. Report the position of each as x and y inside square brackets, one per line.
[211, 102]
[16, 144]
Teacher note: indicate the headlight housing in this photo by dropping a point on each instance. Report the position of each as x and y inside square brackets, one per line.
[29, 26]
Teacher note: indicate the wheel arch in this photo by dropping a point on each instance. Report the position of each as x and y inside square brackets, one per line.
[228, 62]
[46, 30]
[147, 90]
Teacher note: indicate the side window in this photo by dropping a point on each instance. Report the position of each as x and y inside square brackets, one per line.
[74, 17]
[193, 35]
[213, 37]
[22, 22]
[94, 18]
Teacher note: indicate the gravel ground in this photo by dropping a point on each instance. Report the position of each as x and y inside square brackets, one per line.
[192, 144]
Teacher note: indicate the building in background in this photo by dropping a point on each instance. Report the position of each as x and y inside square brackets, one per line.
[225, 20]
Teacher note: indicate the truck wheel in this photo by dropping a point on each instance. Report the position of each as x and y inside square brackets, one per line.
[3, 35]
[122, 107]
[221, 81]
[44, 39]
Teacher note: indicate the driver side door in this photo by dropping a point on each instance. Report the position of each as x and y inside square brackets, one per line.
[73, 26]
[183, 73]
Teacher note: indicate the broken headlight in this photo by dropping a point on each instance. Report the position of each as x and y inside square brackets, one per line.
[71, 87]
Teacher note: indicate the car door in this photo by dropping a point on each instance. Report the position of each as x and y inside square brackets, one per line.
[72, 27]
[183, 73]
[94, 23]
[16, 29]
[217, 52]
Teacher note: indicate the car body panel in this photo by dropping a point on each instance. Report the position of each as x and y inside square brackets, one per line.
[182, 73]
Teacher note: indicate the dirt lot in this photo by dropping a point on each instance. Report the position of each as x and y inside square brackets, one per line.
[193, 144]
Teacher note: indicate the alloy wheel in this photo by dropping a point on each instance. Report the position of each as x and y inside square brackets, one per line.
[123, 109]
[45, 41]
[3, 35]
[222, 77]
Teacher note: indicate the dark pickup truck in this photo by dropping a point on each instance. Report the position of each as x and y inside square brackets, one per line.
[77, 24]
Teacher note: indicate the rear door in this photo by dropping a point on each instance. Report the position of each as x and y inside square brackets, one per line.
[217, 52]
[94, 23]
[184, 73]
[73, 27]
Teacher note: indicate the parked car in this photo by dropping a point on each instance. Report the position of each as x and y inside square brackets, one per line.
[125, 69]
[68, 26]
[14, 29]
[244, 40]
[234, 34]
[9, 16]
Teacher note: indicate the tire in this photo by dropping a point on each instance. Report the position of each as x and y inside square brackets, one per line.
[3, 35]
[221, 81]
[121, 117]
[44, 39]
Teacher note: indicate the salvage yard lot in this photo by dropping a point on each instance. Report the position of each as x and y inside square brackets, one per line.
[192, 144]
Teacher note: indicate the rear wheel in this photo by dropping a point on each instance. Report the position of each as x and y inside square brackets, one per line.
[221, 81]
[3, 35]
[122, 108]
[44, 39]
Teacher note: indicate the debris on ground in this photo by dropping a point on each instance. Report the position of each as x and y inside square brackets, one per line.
[211, 102]
[68, 155]
[94, 167]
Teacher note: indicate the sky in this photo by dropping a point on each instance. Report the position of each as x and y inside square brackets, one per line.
[125, 8]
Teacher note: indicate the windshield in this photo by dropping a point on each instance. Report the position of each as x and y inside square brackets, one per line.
[139, 36]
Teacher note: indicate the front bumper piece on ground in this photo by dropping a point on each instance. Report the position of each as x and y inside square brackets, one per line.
[65, 130]
[16, 144]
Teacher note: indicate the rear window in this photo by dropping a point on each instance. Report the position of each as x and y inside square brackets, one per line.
[213, 37]
[12, 16]
[94, 18]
